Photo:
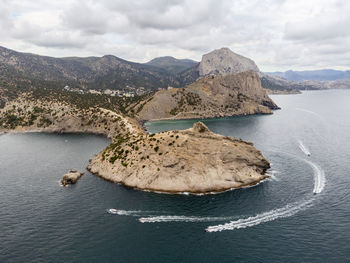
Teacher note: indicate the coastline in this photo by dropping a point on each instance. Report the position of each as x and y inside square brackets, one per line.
[197, 193]
[231, 163]
[203, 191]
[180, 161]
[144, 127]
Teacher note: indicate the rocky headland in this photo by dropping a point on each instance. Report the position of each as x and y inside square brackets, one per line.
[209, 97]
[194, 160]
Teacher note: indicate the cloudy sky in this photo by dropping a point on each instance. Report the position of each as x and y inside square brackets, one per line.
[277, 34]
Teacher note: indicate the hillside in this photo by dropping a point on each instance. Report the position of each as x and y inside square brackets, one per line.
[171, 64]
[107, 72]
[225, 62]
[209, 97]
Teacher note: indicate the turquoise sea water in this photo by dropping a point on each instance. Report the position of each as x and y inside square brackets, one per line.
[280, 220]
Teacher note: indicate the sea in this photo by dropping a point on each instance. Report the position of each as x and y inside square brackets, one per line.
[300, 214]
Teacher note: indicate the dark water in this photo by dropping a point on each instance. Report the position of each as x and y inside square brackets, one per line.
[284, 221]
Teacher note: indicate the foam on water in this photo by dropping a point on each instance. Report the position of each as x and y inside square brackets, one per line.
[320, 179]
[125, 212]
[303, 148]
[159, 219]
[272, 175]
[286, 211]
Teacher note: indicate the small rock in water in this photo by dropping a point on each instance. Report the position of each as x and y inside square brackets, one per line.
[71, 178]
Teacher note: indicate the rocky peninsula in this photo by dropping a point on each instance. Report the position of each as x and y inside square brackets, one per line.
[194, 161]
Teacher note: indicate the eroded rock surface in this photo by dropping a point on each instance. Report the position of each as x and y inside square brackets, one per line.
[194, 160]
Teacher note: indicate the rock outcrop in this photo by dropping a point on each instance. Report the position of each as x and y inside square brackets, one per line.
[71, 177]
[225, 62]
[210, 97]
[194, 160]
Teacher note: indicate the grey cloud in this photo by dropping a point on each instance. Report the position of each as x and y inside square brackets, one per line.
[6, 20]
[277, 34]
[59, 40]
[86, 18]
[329, 23]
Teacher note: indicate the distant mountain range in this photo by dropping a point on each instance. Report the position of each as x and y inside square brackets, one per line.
[107, 72]
[318, 75]
[110, 72]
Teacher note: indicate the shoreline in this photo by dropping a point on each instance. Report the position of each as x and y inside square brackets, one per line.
[58, 131]
[55, 132]
[143, 122]
[211, 192]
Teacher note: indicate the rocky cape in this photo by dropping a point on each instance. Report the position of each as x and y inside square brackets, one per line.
[209, 97]
[194, 161]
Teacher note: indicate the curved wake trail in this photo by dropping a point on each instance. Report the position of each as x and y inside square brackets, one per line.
[286, 211]
[320, 179]
[160, 219]
[303, 148]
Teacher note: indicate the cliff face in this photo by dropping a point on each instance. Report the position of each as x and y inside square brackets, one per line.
[223, 62]
[195, 161]
[212, 96]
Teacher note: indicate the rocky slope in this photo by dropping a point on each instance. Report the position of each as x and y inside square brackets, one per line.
[23, 114]
[225, 62]
[91, 72]
[209, 97]
[195, 161]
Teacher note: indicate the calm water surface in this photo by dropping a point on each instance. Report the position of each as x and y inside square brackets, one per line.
[280, 220]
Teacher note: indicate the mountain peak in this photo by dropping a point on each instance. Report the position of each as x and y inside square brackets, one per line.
[224, 61]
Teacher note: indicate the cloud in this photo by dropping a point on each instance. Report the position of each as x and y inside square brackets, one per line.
[331, 21]
[277, 34]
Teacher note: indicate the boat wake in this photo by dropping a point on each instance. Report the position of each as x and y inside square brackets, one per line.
[127, 212]
[287, 211]
[320, 179]
[283, 212]
[160, 219]
[303, 148]
[311, 112]
[272, 175]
